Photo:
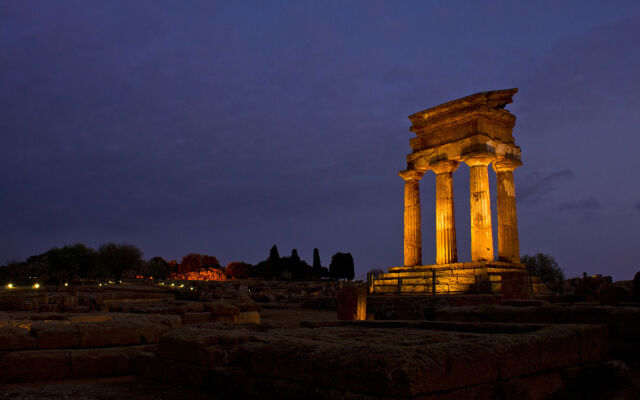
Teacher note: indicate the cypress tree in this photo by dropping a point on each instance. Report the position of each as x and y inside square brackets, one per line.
[273, 254]
[294, 256]
[316, 260]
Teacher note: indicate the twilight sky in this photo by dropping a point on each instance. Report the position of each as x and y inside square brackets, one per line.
[224, 128]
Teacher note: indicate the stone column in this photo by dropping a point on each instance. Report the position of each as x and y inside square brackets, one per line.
[508, 243]
[446, 248]
[412, 228]
[481, 236]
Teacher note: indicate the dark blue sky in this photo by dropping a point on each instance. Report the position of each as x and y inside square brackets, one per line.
[223, 128]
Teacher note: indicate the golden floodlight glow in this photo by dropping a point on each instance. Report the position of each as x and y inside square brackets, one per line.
[10, 285]
[66, 284]
[182, 285]
[173, 284]
[191, 288]
[36, 286]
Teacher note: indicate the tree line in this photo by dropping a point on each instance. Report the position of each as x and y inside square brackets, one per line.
[113, 261]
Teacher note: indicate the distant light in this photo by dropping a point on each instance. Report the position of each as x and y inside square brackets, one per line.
[99, 284]
[119, 281]
[191, 288]
[66, 284]
[182, 285]
[10, 285]
[173, 284]
[36, 286]
[111, 282]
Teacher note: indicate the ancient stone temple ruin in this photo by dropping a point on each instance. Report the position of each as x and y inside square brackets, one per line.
[476, 130]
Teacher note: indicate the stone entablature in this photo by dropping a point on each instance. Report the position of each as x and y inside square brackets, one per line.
[480, 113]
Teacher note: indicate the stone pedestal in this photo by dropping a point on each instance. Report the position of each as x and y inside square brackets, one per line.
[412, 224]
[470, 277]
[508, 243]
[515, 285]
[481, 235]
[446, 248]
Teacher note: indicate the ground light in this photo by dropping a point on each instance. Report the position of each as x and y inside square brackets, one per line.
[10, 286]
[36, 285]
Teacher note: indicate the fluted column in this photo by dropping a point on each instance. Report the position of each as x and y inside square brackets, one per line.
[412, 223]
[508, 243]
[446, 248]
[481, 236]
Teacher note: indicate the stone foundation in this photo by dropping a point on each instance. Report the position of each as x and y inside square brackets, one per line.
[380, 360]
[470, 277]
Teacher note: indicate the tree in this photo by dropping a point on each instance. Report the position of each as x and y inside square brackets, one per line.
[341, 266]
[274, 256]
[294, 255]
[238, 270]
[16, 272]
[316, 261]
[545, 267]
[157, 268]
[113, 259]
[196, 262]
[69, 261]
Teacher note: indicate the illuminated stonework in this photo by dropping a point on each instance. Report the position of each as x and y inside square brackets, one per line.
[476, 130]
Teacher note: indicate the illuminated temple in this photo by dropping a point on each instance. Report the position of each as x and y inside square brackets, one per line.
[476, 130]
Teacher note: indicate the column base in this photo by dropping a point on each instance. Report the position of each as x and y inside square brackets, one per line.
[455, 278]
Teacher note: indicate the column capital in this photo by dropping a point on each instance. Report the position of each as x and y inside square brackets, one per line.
[506, 165]
[479, 160]
[411, 175]
[444, 166]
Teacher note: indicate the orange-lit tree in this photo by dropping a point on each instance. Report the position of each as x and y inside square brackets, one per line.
[200, 267]
[196, 262]
[238, 270]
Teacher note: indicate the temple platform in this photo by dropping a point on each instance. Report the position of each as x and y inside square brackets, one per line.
[468, 277]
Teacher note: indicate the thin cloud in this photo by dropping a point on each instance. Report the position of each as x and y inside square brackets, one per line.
[588, 204]
[536, 188]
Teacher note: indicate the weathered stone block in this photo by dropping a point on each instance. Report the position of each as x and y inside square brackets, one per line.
[109, 333]
[35, 365]
[515, 285]
[150, 332]
[558, 349]
[249, 317]
[55, 335]
[49, 308]
[220, 308]
[113, 361]
[197, 317]
[195, 306]
[13, 338]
